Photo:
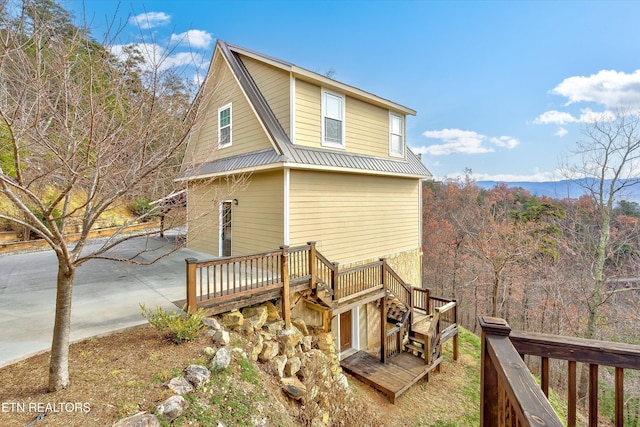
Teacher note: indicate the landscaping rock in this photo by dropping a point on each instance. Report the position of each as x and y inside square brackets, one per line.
[209, 351]
[292, 366]
[221, 337]
[233, 319]
[290, 338]
[342, 380]
[274, 328]
[172, 408]
[301, 325]
[139, 420]
[272, 312]
[221, 360]
[197, 375]
[277, 365]
[212, 323]
[294, 388]
[269, 351]
[180, 385]
[307, 343]
[256, 316]
[256, 349]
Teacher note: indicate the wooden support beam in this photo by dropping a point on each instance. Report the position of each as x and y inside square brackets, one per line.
[313, 281]
[383, 317]
[286, 302]
[192, 304]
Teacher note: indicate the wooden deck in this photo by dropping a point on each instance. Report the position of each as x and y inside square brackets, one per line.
[394, 378]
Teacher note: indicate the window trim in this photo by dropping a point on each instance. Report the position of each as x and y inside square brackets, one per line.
[393, 153]
[230, 125]
[342, 98]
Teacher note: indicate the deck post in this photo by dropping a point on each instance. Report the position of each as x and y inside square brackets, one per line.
[192, 304]
[455, 337]
[383, 314]
[312, 265]
[286, 309]
[490, 406]
[334, 281]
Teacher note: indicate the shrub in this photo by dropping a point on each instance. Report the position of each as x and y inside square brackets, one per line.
[180, 326]
[142, 207]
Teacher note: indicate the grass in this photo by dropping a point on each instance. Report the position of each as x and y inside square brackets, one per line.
[122, 374]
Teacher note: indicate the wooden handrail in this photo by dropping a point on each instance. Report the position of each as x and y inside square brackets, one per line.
[508, 393]
[421, 299]
[593, 353]
[574, 350]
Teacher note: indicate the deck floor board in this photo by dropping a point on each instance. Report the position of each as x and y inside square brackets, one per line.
[393, 378]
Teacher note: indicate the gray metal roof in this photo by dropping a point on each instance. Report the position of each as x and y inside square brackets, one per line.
[285, 152]
[235, 163]
[305, 157]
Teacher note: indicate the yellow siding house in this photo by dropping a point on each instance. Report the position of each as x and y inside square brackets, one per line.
[287, 156]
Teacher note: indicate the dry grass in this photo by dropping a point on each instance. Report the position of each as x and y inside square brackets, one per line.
[115, 376]
[121, 374]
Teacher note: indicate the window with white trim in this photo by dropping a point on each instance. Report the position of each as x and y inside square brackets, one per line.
[224, 126]
[396, 135]
[332, 120]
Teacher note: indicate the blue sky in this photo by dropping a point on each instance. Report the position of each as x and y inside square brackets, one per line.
[501, 87]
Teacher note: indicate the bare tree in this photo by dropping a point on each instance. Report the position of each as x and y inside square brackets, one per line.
[80, 132]
[607, 166]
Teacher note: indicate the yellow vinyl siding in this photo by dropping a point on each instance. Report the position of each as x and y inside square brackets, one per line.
[366, 125]
[203, 216]
[246, 132]
[274, 84]
[308, 118]
[367, 128]
[257, 221]
[354, 217]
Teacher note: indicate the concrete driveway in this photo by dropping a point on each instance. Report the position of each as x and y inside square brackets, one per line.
[106, 294]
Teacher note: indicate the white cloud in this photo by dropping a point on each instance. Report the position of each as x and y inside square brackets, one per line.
[610, 88]
[561, 132]
[563, 118]
[457, 141]
[555, 117]
[589, 116]
[156, 56]
[534, 177]
[505, 142]
[194, 38]
[150, 20]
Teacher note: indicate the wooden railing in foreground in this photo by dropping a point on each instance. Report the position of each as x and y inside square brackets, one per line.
[519, 400]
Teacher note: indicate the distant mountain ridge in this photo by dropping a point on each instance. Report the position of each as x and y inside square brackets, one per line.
[561, 189]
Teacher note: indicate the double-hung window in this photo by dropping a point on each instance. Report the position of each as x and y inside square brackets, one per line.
[396, 135]
[224, 126]
[332, 120]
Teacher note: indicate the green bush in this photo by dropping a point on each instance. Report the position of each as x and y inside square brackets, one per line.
[180, 326]
[142, 207]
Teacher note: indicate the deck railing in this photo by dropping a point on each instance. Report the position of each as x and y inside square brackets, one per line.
[355, 281]
[421, 299]
[519, 399]
[214, 281]
[395, 336]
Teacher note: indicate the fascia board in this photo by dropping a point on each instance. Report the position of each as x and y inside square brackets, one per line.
[312, 77]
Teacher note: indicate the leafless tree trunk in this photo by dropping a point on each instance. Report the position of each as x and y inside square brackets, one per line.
[81, 131]
[607, 167]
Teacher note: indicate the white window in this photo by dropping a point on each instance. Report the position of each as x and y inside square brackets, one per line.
[224, 126]
[396, 135]
[332, 120]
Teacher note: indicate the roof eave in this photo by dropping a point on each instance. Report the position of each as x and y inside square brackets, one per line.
[310, 76]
